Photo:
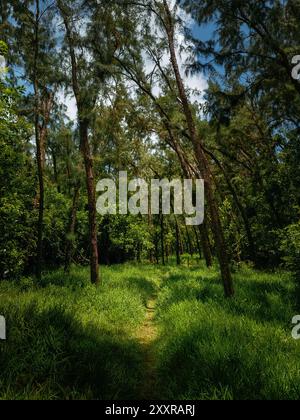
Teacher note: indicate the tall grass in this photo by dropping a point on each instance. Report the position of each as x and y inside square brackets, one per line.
[69, 340]
[212, 348]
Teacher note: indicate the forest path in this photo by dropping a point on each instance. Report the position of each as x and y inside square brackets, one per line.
[146, 336]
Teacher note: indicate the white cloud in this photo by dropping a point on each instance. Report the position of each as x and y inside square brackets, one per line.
[70, 103]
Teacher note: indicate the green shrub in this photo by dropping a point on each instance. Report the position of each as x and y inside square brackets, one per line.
[17, 187]
[290, 246]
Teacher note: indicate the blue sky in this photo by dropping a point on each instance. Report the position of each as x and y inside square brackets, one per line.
[204, 32]
[199, 81]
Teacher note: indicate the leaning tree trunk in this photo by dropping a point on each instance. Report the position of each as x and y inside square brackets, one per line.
[202, 161]
[184, 164]
[91, 191]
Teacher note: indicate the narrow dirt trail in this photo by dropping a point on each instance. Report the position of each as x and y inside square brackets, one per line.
[146, 336]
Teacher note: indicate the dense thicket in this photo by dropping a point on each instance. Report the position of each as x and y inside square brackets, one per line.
[243, 138]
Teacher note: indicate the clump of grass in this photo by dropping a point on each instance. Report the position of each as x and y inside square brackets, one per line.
[212, 348]
[68, 339]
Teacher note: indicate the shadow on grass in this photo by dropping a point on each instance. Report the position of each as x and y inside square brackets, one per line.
[146, 288]
[296, 278]
[229, 363]
[50, 355]
[73, 280]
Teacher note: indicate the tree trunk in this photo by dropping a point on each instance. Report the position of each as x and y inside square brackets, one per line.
[44, 108]
[55, 171]
[189, 242]
[71, 232]
[90, 182]
[202, 161]
[85, 150]
[198, 243]
[156, 249]
[190, 172]
[187, 168]
[206, 245]
[162, 239]
[39, 152]
[178, 262]
[41, 201]
[150, 226]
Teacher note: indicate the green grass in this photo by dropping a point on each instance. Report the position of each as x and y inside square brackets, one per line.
[69, 340]
[212, 348]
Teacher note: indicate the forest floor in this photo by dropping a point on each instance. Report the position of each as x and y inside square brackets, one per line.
[146, 336]
[150, 332]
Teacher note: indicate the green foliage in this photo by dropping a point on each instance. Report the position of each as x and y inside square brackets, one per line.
[233, 235]
[125, 238]
[16, 186]
[3, 48]
[290, 246]
[56, 220]
[68, 339]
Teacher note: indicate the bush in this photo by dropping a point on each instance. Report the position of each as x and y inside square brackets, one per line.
[17, 187]
[290, 246]
[56, 221]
